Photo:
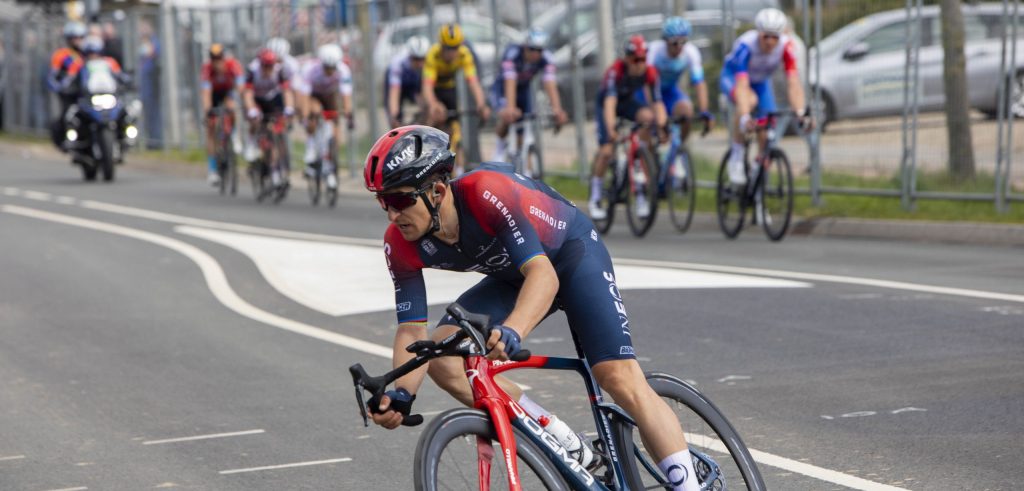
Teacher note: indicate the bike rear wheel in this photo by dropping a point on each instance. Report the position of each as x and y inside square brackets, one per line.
[681, 190]
[776, 188]
[447, 456]
[730, 202]
[721, 459]
[642, 190]
[610, 195]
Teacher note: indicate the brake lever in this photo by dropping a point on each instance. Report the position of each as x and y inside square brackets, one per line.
[358, 373]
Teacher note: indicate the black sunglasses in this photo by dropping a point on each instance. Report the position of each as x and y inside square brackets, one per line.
[676, 42]
[399, 201]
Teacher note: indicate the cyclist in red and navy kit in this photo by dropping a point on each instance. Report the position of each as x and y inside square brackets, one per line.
[219, 79]
[746, 79]
[538, 253]
[630, 90]
[268, 93]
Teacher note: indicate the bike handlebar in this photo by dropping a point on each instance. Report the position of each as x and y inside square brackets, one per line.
[476, 327]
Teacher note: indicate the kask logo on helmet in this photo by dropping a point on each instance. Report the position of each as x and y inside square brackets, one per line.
[407, 153]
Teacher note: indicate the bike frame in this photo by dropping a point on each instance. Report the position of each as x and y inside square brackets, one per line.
[517, 151]
[506, 414]
[271, 138]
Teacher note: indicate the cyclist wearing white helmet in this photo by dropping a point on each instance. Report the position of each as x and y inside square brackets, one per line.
[511, 92]
[325, 85]
[746, 79]
[404, 79]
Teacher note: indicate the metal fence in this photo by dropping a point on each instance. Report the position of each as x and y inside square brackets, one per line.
[883, 109]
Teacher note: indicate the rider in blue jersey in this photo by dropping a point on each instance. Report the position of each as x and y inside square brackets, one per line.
[404, 79]
[673, 56]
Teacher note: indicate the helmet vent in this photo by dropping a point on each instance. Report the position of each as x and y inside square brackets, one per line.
[373, 165]
[419, 146]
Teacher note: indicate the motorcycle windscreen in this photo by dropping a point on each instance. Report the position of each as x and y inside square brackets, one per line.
[100, 78]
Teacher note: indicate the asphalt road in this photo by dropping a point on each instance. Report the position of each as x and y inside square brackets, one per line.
[128, 362]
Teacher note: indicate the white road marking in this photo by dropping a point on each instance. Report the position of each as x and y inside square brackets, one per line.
[12, 457]
[733, 378]
[37, 195]
[65, 200]
[12, 191]
[358, 281]
[216, 281]
[908, 410]
[285, 466]
[82, 488]
[828, 278]
[791, 465]
[203, 437]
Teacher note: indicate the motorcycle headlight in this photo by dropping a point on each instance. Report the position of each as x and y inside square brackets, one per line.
[72, 135]
[103, 101]
[131, 132]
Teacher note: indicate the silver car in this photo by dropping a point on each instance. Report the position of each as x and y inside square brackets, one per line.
[862, 64]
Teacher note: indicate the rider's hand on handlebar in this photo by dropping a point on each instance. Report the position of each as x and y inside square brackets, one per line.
[350, 121]
[561, 117]
[391, 408]
[509, 115]
[253, 113]
[806, 121]
[504, 343]
[484, 111]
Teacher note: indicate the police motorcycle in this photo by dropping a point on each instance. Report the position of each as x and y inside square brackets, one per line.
[100, 127]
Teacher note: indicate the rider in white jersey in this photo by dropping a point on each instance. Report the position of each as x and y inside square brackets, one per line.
[673, 56]
[746, 79]
[320, 85]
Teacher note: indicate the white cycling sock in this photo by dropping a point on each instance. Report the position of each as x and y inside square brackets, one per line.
[596, 183]
[678, 468]
[532, 408]
[736, 155]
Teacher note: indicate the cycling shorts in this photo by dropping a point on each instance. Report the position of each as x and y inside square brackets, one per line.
[763, 90]
[587, 293]
[671, 95]
[448, 97]
[271, 107]
[624, 109]
[219, 96]
[498, 100]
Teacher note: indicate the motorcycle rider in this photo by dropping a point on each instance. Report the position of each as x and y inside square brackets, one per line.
[64, 65]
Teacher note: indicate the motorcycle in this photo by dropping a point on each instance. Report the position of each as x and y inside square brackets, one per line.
[100, 127]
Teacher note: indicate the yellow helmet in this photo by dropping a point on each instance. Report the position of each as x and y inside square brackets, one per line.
[451, 35]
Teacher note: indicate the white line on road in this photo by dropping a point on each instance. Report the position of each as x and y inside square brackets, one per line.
[216, 280]
[203, 437]
[82, 488]
[65, 200]
[285, 466]
[850, 280]
[37, 195]
[12, 191]
[12, 457]
[795, 466]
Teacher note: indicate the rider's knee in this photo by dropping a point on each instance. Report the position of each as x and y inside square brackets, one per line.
[644, 115]
[623, 380]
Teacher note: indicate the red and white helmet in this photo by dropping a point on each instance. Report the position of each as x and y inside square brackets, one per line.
[407, 156]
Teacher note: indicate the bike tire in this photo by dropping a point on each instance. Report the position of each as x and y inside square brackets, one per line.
[776, 189]
[332, 193]
[536, 164]
[681, 192]
[258, 176]
[456, 433]
[313, 183]
[232, 170]
[106, 163]
[710, 437]
[644, 178]
[730, 203]
[610, 196]
[281, 191]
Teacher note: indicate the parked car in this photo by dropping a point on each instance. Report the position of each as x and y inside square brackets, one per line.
[745, 10]
[862, 64]
[707, 26]
[478, 30]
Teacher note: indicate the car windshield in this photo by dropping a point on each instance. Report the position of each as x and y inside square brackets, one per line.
[839, 39]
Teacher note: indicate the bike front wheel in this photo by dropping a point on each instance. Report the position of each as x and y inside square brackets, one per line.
[454, 445]
[313, 182]
[776, 188]
[681, 191]
[730, 201]
[536, 165]
[720, 458]
[642, 192]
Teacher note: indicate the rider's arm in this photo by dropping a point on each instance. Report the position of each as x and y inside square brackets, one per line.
[509, 76]
[289, 96]
[469, 71]
[610, 101]
[406, 268]
[430, 77]
[407, 334]
[535, 297]
[653, 89]
[794, 88]
[510, 93]
[394, 79]
[697, 76]
[346, 89]
[206, 88]
[247, 93]
[743, 94]
[551, 86]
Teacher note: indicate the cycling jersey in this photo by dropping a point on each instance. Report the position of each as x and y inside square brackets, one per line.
[628, 90]
[313, 79]
[226, 80]
[747, 60]
[267, 87]
[515, 67]
[505, 221]
[442, 73]
[401, 74]
[671, 69]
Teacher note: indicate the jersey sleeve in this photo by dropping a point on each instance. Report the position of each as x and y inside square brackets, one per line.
[696, 64]
[237, 72]
[501, 208]
[739, 60]
[394, 75]
[467, 63]
[204, 76]
[430, 64]
[344, 79]
[608, 84]
[549, 68]
[406, 270]
[789, 57]
[654, 83]
[508, 63]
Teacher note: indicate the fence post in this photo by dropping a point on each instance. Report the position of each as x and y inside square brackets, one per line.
[910, 101]
[579, 108]
[815, 139]
[1010, 121]
[169, 74]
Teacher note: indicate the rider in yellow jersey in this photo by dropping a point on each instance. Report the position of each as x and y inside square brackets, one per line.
[443, 61]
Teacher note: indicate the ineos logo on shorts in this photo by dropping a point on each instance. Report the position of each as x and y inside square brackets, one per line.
[613, 290]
